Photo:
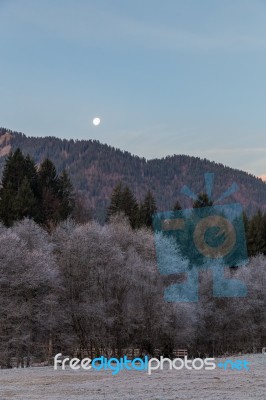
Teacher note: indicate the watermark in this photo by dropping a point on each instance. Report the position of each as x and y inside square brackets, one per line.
[210, 237]
[102, 363]
[116, 365]
[234, 365]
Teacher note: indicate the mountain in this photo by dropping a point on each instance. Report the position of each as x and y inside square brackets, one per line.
[96, 168]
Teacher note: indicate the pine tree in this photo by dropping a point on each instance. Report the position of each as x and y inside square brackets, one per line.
[263, 233]
[14, 171]
[147, 209]
[7, 205]
[116, 201]
[19, 189]
[123, 201]
[39, 195]
[66, 197]
[32, 175]
[256, 240]
[202, 201]
[49, 184]
[47, 175]
[130, 207]
[177, 206]
[25, 202]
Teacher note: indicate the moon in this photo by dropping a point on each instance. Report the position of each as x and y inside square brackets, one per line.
[96, 121]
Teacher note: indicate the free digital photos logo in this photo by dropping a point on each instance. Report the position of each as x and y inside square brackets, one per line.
[210, 237]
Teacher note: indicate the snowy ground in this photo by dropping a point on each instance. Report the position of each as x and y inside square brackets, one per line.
[46, 384]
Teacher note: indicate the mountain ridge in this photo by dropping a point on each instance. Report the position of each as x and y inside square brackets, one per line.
[96, 168]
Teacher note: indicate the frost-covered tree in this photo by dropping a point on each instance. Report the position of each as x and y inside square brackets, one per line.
[28, 279]
[113, 291]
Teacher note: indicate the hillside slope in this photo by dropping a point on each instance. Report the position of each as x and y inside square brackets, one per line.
[96, 168]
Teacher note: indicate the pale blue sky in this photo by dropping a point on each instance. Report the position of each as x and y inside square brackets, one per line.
[165, 76]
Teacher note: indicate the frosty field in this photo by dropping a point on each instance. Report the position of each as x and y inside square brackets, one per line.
[47, 384]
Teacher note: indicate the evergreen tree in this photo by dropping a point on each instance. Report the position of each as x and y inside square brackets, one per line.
[263, 233]
[123, 201]
[116, 198]
[147, 209]
[66, 197]
[177, 206]
[49, 184]
[256, 239]
[47, 175]
[39, 195]
[245, 221]
[14, 171]
[7, 205]
[25, 203]
[19, 190]
[202, 201]
[130, 207]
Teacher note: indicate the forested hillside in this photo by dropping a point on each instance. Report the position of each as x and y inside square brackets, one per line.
[95, 169]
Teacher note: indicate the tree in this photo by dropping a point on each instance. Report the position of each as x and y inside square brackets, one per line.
[48, 181]
[28, 284]
[81, 212]
[7, 205]
[19, 192]
[116, 201]
[47, 175]
[147, 209]
[57, 194]
[14, 171]
[130, 207]
[66, 197]
[123, 201]
[202, 201]
[256, 234]
[177, 206]
[40, 195]
[25, 201]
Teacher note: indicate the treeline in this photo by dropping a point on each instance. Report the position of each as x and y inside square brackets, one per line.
[255, 227]
[38, 192]
[95, 169]
[140, 214]
[124, 202]
[89, 286]
[28, 191]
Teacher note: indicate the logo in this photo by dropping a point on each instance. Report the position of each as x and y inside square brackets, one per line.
[210, 237]
[146, 364]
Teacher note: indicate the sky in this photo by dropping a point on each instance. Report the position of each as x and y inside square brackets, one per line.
[165, 76]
